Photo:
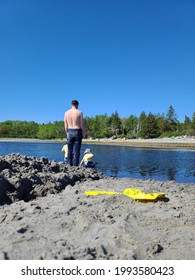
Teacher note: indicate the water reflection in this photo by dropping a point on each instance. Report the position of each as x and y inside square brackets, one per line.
[147, 171]
[171, 173]
[178, 165]
[114, 169]
[152, 169]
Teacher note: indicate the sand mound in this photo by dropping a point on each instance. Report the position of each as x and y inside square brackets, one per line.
[25, 178]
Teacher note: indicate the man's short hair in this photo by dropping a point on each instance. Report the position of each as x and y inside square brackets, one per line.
[75, 102]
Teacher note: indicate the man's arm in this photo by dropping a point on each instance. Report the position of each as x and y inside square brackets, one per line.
[65, 123]
[82, 123]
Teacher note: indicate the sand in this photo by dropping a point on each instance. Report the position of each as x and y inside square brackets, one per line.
[174, 142]
[45, 214]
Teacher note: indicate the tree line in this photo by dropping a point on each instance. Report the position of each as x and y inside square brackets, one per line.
[103, 126]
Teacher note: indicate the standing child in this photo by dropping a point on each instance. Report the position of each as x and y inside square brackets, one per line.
[88, 159]
[65, 151]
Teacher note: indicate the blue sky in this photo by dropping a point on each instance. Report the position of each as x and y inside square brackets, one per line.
[127, 56]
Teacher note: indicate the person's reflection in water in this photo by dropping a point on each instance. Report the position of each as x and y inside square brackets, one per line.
[171, 174]
[142, 170]
[114, 170]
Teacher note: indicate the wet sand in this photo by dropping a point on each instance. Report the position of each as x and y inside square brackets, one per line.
[174, 142]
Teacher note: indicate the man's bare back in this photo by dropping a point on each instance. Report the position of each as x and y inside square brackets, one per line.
[73, 119]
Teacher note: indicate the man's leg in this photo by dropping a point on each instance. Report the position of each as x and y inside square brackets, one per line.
[77, 148]
[70, 148]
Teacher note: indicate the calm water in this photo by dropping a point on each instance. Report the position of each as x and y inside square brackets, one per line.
[158, 164]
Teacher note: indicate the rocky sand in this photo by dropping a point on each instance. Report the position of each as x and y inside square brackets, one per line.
[45, 214]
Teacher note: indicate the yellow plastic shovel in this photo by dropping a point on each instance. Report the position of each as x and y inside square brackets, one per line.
[130, 192]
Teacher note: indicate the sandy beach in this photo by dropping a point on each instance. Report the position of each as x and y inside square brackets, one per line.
[174, 142]
[45, 214]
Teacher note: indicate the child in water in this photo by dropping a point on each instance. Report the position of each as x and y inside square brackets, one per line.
[65, 151]
[88, 159]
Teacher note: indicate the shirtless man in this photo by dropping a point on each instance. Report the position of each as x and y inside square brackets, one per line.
[74, 127]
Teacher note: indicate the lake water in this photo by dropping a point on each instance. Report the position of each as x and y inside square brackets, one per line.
[121, 161]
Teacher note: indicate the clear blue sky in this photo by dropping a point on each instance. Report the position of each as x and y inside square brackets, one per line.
[127, 56]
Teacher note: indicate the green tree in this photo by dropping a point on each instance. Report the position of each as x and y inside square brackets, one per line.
[162, 123]
[4, 131]
[150, 128]
[98, 126]
[123, 126]
[59, 129]
[88, 124]
[46, 131]
[172, 119]
[6, 128]
[187, 122]
[140, 125]
[115, 123]
[193, 121]
[132, 126]
[17, 129]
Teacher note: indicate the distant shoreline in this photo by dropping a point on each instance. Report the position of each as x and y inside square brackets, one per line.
[177, 142]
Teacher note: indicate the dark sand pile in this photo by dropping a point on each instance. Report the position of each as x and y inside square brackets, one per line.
[44, 214]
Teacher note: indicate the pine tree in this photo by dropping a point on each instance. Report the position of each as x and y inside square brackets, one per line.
[193, 121]
[132, 122]
[172, 119]
[187, 122]
[140, 126]
[115, 123]
[150, 128]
